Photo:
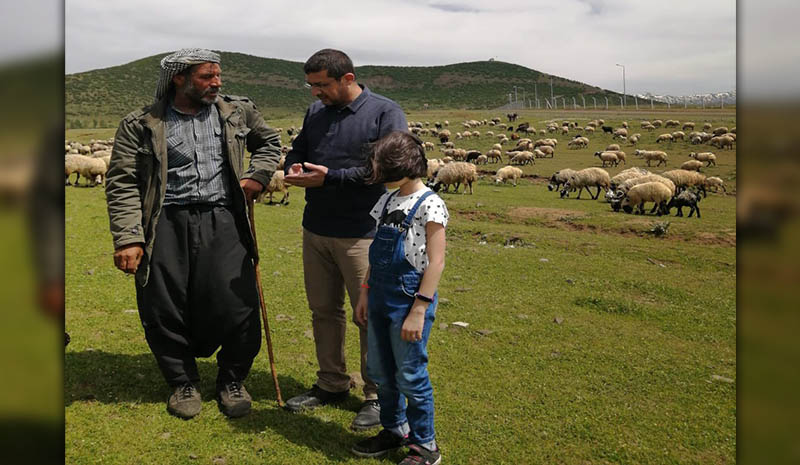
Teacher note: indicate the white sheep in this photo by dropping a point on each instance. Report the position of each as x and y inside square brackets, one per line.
[495, 155]
[691, 165]
[722, 142]
[688, 125]
[92, 169]
[433, 166]
[655, 192]
[629, 173]
[650, 177]
[607, 157]
[482, 160]
[620, 133]
[547, 150]
[508, 172]
[523, 158]
[685, 179]
[678, 135]
[664, 138]
[560, 177]
[708, 157]
[276, 184]
[612, 147]
[586, 178]
[716, 183]
[455, 173]
[653, 155]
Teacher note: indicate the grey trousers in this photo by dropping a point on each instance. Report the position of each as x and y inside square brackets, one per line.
[331, 265]
[201, 295]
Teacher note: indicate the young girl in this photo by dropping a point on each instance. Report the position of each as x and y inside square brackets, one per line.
[398, 299]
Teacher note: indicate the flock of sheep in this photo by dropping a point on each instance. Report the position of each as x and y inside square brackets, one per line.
[87, 160]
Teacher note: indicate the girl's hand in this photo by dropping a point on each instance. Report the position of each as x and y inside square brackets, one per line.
[413, 324]
[360, 315]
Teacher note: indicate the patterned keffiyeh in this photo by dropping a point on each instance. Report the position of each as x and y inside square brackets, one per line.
[179, 61]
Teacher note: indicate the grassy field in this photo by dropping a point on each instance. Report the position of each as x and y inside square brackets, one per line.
[589, 341]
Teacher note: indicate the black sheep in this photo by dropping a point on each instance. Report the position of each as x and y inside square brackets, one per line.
[523, 126]
[608, 129]
[686, 198]
[473, 155]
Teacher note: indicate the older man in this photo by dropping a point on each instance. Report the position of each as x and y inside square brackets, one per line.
[177, 193]
[328, 159]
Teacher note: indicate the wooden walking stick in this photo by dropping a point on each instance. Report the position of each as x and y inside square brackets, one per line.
[250, 209]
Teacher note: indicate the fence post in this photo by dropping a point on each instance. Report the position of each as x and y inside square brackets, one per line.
[606, 103]
[636, 102]
[595, 102]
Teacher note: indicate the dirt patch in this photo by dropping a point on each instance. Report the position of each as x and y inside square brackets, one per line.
[715, 239]
[545, 213]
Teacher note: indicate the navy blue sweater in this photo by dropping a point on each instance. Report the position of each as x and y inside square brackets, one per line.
[336, 138]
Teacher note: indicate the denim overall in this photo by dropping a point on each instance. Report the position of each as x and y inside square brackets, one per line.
[398, 367]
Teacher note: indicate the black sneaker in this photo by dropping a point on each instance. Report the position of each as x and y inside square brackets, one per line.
[314, 398]
[378, 445]
[185, 402]
[418, 455]
[233, 399]
[369, 416]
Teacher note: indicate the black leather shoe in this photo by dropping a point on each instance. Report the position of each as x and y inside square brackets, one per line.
[378, 445]
[314, 398]
[369, 416]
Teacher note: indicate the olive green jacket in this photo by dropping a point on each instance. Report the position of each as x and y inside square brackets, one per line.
[137, 174]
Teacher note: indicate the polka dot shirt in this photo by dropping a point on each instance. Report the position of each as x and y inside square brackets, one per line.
[431, 209]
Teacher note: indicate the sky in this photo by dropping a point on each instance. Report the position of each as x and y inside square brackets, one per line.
[677, 47]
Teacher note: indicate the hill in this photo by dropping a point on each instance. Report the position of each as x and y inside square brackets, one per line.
[99, 98]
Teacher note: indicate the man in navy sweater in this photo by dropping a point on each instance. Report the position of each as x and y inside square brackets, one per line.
[328, 159]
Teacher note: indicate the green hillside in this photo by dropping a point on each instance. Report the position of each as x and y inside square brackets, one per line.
[99, 98]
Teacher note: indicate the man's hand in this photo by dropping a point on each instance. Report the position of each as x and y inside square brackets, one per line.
[360, 312]
[315, 177]
[251, 188]
[127, 257]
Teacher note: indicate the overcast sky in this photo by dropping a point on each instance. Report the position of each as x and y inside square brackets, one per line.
[676, 47]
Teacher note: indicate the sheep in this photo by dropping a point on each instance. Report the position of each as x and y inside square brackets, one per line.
[428, 146]
[607, 157]
[621, 132]
[508, 172]
[649, 127]
[653, 155]
[650, 177]
[696, 140]
[547, 150]
[455, 174]
[644, 124]
[93, 169]
[625, 124]
[629, 173]
[708, 157]
[482, 160]
[692, 165]
[671, 123]
[688, 125]
[472, 155]
[494, 155]
[276, 184]
[433, 166]
[634, 139]
[560, 177]
[620, 155]
[716, 183]
[687, 198]
[586, 178]
[685, 179]
[449, 145]
[72, 163]
[608, 129]
[706, 126]
[497, 147]
[444, 135]
[655, 192]
[466, 134]
[589, 130]
[657, 123]
[446, 160]
[612, 147]
[578, 142]
[523, 158]
[720, 131]
[678, 135]
[721, 142]
[664, 137]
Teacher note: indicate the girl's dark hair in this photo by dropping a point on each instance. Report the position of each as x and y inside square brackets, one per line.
[395, 156]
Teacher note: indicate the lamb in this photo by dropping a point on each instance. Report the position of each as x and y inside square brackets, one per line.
[655, 192]
[664, 137]
[678, 135]
[560, 177]
[578, 142]
[686, 198]
[586, 178]
[620, 155]
[688, 125]
[621, 132]
[547, 150]
[716, 183]
[692, 165]
[276, 184]
[607, 157]
[708, 157]
[455, 174]
[612, 147]
[497, 147]
[685, 179]
[494, 155]
[634, 139]
[653, 155]
[508, 172]
[428, 146]
[589, 129]
[482, 160]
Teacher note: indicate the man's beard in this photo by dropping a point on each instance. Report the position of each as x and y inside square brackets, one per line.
[196, 96]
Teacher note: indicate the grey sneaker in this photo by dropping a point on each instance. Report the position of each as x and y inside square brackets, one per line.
[314, 398]
[369, 416]
[185, 402]
[233, 399]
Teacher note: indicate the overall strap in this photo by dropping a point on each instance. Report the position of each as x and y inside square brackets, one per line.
[413, 211]
[386, 205]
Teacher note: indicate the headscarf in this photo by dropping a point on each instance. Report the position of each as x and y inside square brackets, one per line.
[179, 61]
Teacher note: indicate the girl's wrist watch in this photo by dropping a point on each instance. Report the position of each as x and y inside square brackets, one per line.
[423, 297]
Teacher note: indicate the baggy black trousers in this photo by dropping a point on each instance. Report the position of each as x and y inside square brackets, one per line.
[201, 294]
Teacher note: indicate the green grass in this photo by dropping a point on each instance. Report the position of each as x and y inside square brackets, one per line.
[581, 346]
